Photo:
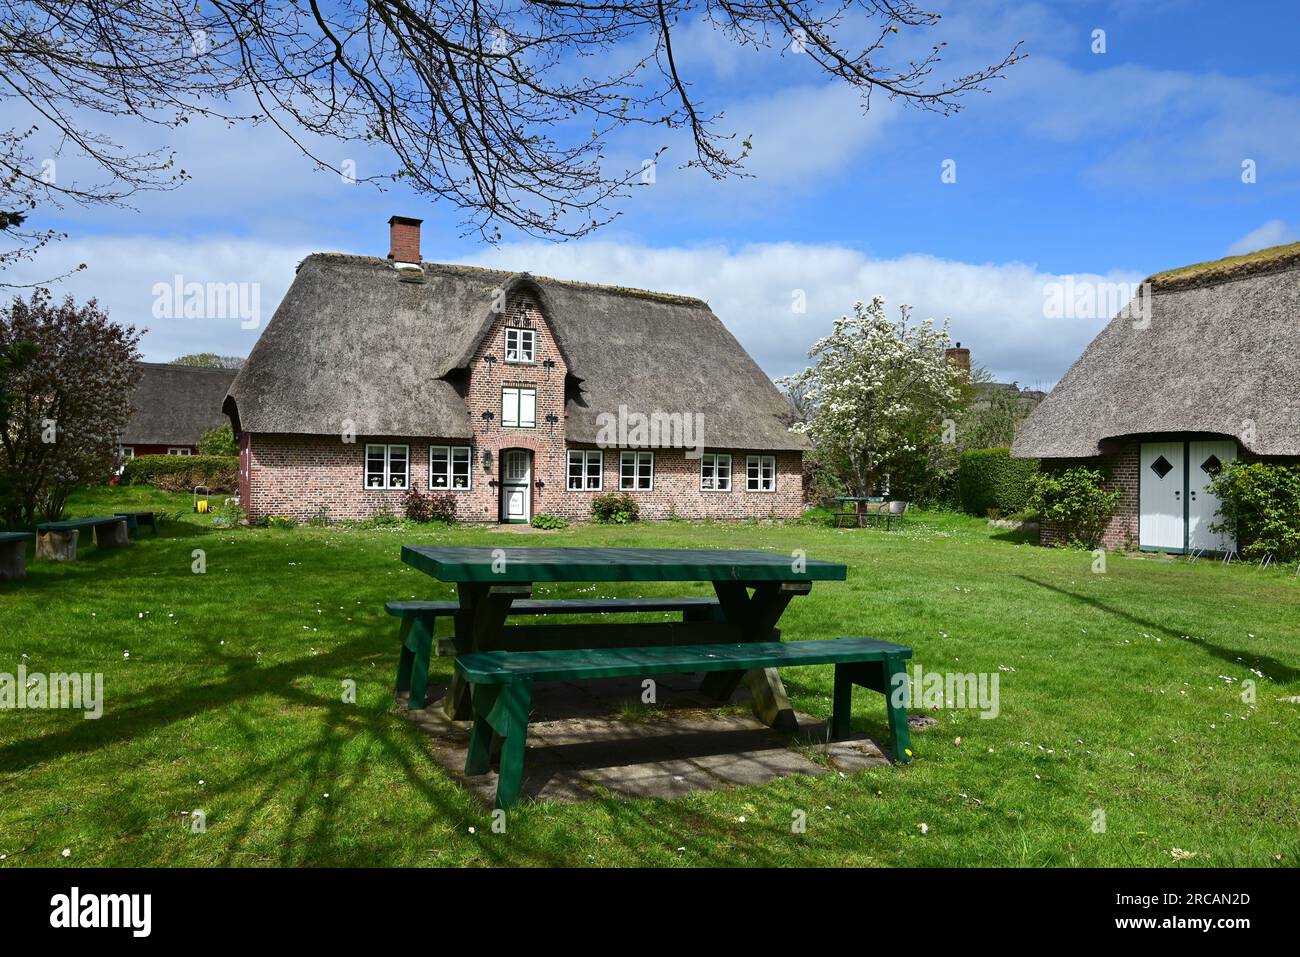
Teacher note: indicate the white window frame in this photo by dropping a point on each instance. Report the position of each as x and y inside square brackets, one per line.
[517, 393]
[388, 468]
[126, 451]
[450, 451]
[713, 459]
[519, 336]
[178, 450]
[586, 456]
[750, 460]
[637, 458]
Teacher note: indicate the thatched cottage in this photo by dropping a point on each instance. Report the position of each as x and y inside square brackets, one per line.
[1201, 373]
[174, 406]
[515, 394]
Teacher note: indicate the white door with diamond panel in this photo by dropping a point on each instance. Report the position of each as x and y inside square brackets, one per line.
[1160, 497]
[1206, 460]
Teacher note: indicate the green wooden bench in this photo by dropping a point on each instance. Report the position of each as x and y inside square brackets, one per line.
[135, 519]
[55, 540]
[13, 555]
[419, 619]
[501, 686]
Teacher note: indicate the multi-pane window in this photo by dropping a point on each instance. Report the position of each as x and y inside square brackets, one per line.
[521, 345]
[585, 466]
[518, 408]
[636, 471]
[387, 466]
[761, 473]
[126, 452]
[449, 466]
[178, 451]
[715, 472]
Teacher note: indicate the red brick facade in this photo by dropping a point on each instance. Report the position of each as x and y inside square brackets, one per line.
[303, 476]
[1122, 531]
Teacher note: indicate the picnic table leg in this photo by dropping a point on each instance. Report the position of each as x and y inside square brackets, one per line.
[517, 701]
[899, 733]
[757, 616]
[483, 611]
[478, 760]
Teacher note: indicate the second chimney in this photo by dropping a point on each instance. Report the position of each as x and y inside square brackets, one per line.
[404, 239]
[960, 359]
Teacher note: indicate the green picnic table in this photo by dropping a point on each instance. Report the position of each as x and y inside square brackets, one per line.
[753, 589]
[861, 509]
[13, 554]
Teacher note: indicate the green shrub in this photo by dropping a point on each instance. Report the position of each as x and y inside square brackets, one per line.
[991, 480]
[219, 441]
[282, 522]
[180, 473]
[228, 515]
[1077, 500]
[1260, 508]
[546, 520]
[381, 518]
[617, 508]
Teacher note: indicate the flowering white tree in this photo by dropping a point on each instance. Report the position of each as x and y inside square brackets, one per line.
[879, 391]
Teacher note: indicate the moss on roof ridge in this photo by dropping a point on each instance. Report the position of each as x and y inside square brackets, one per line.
[1229, 268]
[629, 291]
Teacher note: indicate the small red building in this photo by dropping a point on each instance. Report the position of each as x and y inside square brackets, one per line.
[174, 407]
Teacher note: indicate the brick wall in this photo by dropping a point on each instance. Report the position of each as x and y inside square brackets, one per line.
[301, 476]
[1122, 530]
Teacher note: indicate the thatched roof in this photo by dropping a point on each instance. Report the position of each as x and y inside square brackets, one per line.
[351, 341]
[176, 405]
[1219, 356]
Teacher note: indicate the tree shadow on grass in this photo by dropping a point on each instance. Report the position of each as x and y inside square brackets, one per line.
[1276, 670]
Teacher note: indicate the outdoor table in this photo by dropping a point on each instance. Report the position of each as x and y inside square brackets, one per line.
[858, 501]
[753, 590]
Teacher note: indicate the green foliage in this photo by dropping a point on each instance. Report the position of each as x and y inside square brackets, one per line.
[616, 508]
[219, 441]
[546, 520]
[181, 473]
[381, 518]
[1260, 508]
[228, 515]
[208, 360]
[282, 522]
[1077, 500]
[989, 479]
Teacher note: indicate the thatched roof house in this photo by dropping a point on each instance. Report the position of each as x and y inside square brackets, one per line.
[1203, 370]
[174, 406]
[464, 361]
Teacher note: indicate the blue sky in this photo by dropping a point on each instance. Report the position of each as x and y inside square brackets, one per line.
[1103, 166]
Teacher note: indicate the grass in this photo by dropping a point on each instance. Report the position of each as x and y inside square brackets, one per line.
[1120, 693]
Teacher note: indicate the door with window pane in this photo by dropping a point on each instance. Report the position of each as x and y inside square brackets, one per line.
[516, 485]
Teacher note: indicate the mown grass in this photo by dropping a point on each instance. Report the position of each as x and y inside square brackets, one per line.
[1120, 692]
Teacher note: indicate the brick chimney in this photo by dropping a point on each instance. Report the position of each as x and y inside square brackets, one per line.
[404, 239]
[960, 359]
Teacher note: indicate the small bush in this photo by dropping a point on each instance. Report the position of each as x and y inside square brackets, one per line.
[1077, 500]
[990, 480]
[282, 522]
[180, 473]
[442, 507]
[616, 508]
[219, 441]
[416, 505]
[1260, 508]
[546, 520]
[228, 515]
[381, 518]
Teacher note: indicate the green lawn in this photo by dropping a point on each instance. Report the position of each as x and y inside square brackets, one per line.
[1120, 692]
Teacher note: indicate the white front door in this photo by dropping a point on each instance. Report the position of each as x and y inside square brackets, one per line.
[1160, 499]
[516, 486]
[1205, 459]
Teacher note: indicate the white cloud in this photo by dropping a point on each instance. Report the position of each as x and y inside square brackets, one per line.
[123, 270]
[1272, 233]
[997, 309]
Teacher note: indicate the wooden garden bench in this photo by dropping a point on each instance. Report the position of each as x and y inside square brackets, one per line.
[135, 519]
[13, 555]
[57, 541]
[420, 617]
[501, 686]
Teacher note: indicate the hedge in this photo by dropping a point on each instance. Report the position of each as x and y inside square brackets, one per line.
[180, 473]
[992, 479]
